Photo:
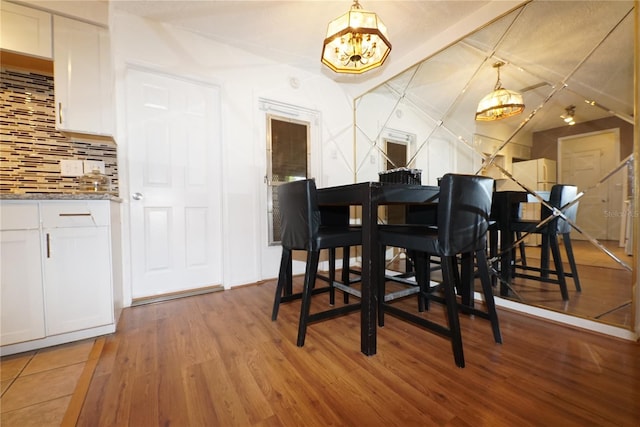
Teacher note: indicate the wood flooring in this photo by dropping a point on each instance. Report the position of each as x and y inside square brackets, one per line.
[219, 360]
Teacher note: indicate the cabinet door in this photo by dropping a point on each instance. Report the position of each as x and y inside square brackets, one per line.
[22, 315]
[25, 30]
[77, 273]
[82, 77]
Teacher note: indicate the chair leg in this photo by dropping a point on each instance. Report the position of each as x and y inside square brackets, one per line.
[544, 253]
[345, 272]
[409, 264]
[448, 267]
[557, 259]
[309, 280]
[493, 252]
[465, 285]
[381, 285]
[332, 276]
[572, 261]
[422, 274]
[487, 292]
[284, 281]
[521, 246]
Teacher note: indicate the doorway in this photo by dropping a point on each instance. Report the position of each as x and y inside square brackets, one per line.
[174, 166]
[584, 160]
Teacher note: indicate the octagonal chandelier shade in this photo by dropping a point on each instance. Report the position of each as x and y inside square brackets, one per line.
[356, 42]
[501, 103]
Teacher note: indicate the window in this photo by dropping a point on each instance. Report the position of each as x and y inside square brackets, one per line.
[288, 160]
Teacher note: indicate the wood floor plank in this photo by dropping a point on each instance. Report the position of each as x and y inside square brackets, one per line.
[77, 399]
[218, 360]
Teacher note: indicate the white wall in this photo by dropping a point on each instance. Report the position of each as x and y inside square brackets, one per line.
[243, 80]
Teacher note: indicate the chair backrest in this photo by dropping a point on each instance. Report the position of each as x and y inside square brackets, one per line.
[464, 206]
[422, 214]
[562, 194]
[299, 214]
[335, 216]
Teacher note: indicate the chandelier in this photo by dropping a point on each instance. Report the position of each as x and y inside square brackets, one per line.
[569, 118]
[356, 42]
[501, 103]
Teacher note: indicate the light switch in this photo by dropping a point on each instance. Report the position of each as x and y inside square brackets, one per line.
[71, 168]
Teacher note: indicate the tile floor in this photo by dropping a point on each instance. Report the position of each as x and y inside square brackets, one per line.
[38, 386]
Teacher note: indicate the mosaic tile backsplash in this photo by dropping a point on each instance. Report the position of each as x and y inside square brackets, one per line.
[31, 147]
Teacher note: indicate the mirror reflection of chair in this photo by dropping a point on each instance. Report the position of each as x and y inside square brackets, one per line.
[560, 196]
[464, 206]
[301, 229]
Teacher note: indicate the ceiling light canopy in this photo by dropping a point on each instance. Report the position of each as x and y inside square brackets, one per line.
[501, 103]
[356, 42]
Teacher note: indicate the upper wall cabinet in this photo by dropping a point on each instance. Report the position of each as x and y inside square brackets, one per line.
[25, 30]
[83, 78]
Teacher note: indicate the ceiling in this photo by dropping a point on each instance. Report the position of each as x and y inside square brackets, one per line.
[261, 26]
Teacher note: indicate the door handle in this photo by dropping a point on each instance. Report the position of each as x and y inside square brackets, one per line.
[137, 196]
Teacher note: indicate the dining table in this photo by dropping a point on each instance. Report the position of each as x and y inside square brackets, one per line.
[369, 196]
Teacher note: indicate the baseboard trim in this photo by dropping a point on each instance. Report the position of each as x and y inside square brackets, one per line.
[566, 319]
[175, 295]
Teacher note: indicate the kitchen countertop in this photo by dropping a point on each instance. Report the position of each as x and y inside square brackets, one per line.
[60, 196]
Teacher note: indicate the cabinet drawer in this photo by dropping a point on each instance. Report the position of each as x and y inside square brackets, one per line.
[77, 213]
[18, 216]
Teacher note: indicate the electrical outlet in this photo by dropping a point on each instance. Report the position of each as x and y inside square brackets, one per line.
[71, 168]
[91, 165]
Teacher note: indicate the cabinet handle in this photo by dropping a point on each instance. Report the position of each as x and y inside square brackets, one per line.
[48, 246]
[74, 214]
[60, 112]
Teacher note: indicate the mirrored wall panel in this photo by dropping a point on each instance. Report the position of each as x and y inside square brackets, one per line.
[542, 101]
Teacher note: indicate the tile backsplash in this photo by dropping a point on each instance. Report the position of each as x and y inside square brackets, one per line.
[31, 147]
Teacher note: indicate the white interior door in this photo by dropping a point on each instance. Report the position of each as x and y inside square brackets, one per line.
[585, 160]
[174, 174]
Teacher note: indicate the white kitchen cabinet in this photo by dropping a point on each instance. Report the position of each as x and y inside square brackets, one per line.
[58, 274]
[21, 286]
[77, 271]
[83, 78]
[77, 265]
[25, 30]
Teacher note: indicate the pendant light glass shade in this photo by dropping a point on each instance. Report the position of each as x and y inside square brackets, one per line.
[501, 103]
[356, 42]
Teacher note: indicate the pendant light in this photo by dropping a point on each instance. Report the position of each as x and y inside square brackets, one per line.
[501, 103]
[569, 117]
[356, 42]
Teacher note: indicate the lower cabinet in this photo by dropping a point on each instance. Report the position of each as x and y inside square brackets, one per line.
[77, 273]
[21, 299]
[57, 279]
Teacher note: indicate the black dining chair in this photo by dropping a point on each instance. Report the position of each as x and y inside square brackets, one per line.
[560, 197]
[338, 216]
[301, 229]
[464, 206]
[418, 215]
